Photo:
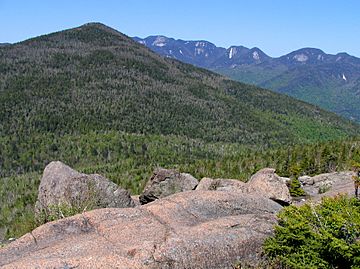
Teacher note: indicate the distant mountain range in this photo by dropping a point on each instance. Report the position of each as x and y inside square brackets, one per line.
[309, 74]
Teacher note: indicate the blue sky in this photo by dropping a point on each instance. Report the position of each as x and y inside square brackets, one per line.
[275, 26]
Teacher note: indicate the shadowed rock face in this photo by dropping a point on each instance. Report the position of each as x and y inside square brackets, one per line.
[61, 185]
[165, 182]
[202, 229]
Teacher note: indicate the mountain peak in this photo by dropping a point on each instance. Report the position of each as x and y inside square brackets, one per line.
[100, 26]
[309, 51]
[304, 56]
[160, 41]
[343, 54]
[94, 33]
[95, 24]
[259, 55]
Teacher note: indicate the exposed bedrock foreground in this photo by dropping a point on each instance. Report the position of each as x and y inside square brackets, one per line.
[194, 229]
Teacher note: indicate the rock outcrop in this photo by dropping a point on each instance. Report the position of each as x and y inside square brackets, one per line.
[264, 183]
[62, 186]
[220, 184]
[195, 229]
[329, 184]
[270, 185]
[136, 199]
[165, 182]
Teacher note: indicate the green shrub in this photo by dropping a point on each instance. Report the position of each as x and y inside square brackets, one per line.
[324, 188]
[326, 235]
[60, 211]
[295, 188]
[87, 198]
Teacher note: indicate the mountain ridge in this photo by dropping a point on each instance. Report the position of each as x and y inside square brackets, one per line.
[152, 42]
[331, 81]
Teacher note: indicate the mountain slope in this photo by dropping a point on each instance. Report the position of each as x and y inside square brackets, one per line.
[95, 79]
[330, 81]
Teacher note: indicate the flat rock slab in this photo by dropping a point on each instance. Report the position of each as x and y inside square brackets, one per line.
[328, 185]
[202, 229]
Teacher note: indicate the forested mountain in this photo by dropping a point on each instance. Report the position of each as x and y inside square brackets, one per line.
[330, 81]
[94, 79]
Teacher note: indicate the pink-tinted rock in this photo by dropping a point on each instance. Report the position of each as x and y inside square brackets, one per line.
[195, 229]
[265, 183]
[136, 199]
[270, 185]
